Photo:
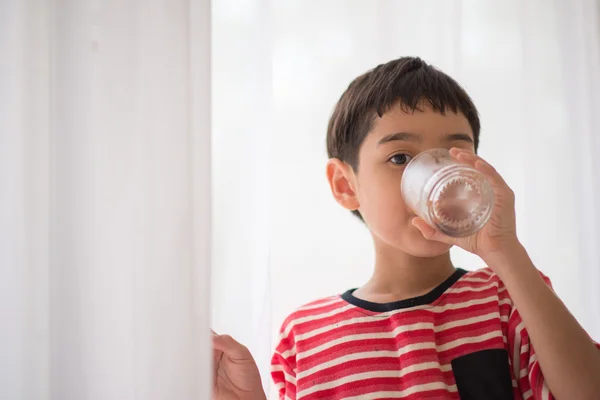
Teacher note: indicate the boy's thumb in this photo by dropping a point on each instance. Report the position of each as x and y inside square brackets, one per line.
[229, 346]
[427, 231]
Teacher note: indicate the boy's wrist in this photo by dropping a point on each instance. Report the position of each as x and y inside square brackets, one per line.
[261, 396]
[510, 259]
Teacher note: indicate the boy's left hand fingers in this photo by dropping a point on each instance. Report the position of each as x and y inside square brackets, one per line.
[481, 165]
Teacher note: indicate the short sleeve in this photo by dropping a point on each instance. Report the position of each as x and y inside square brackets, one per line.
[526, 368]
[283, 364]
[528, 374]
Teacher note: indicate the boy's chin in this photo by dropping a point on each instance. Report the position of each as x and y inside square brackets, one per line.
[424, 248]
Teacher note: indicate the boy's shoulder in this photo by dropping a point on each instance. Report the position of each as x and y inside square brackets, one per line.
[483, 278]
[315, 309]
[471, 282]
[487, 275]
[481, 275]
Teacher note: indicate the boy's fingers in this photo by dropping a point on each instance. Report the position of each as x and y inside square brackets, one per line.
[498, 183]
[456, 152]
[230, 346]
[465, 157]
[429, 232]
[481, 165]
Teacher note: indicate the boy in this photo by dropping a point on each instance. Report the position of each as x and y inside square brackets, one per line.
[420, 328]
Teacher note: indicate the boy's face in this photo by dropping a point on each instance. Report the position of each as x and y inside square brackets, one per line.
[374, 189]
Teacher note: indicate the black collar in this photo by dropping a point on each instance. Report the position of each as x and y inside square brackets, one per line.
[425, 299]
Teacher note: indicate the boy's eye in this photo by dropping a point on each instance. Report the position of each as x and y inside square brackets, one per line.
[400, 159]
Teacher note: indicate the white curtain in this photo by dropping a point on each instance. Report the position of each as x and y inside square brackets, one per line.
[280, 240]
[104, 199]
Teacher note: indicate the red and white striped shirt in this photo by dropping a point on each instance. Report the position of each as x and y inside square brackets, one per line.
[463, 339]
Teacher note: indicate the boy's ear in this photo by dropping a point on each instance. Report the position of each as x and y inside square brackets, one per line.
[341, 181]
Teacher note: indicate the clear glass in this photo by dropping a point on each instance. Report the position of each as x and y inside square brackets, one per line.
[452, 197]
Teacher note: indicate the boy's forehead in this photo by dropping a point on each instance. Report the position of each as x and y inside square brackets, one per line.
[423, 122]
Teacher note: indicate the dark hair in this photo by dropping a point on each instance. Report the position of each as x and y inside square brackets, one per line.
[408, 80]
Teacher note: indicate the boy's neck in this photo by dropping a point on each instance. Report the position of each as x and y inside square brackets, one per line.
[398, 275]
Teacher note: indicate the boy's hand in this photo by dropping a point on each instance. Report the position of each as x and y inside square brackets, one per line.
[499, 234]
[236, 375]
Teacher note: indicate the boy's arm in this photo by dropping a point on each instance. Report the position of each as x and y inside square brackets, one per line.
[568, 358]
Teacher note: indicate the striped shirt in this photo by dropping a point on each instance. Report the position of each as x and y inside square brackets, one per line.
[463, 339]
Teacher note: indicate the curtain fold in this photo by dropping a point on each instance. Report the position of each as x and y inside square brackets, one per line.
[242, 168]
[105, 199]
